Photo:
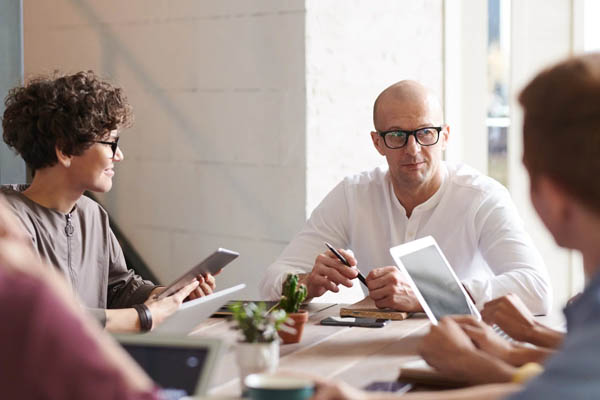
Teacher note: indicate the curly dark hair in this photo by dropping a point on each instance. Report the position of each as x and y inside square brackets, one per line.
[66, 112]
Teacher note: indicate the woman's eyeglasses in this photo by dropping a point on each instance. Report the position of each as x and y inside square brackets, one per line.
[113, 145]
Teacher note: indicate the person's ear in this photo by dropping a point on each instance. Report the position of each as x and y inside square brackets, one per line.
[445, 133]
[378, 142]
[552, 203]
[63, 159]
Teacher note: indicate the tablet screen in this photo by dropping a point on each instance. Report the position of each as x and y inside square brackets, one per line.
[436, 283]
[173, 368]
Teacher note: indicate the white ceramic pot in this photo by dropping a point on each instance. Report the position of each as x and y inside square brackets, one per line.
[254, 358]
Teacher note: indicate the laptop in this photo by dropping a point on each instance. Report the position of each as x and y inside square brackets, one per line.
[433, 280]
[193, 312]
[181, 366]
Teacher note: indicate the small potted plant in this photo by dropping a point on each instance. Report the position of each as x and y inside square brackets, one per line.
[292, 296]
[258, 351]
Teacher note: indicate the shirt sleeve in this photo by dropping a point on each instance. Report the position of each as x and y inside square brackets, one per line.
[327, 223]
[99, 314]
[125, 287]
[509, 251]
[51, 355]
[570, 374]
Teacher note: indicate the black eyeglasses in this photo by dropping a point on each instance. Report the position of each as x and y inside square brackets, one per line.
[113, 145]
[396, 139]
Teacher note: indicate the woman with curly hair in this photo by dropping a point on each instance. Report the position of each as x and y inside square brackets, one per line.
[67, 130]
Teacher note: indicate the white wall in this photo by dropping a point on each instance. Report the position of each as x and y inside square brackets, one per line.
[238, 105]
[354, 50]
[217, 155]
[249, 112]
[465, 81]
[590, 31]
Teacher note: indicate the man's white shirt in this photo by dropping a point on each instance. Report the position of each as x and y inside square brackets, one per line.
[471, 216]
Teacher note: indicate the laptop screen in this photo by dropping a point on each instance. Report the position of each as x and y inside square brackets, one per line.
[175, 369]
[434, 280]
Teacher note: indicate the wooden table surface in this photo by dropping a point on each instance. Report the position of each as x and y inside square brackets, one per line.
[355, 355]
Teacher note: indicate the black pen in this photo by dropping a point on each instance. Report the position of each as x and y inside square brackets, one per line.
[345, 262]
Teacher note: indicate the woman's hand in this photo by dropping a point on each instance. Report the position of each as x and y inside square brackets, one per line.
[163, 308]
[207, 285]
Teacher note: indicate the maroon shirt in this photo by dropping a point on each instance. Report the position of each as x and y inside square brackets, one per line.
[45, 351]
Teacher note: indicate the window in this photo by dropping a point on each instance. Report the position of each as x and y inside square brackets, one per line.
[498, 112]
[591, 28]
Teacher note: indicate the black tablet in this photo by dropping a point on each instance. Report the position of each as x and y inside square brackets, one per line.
[211, 264]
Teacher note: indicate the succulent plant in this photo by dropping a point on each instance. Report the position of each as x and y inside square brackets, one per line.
[258, 325]
[292, 295]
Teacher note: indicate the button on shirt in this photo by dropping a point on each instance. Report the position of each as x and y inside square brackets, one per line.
[471, 216]
[574, 372]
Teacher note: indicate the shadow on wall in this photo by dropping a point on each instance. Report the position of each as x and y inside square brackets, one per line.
[113, 49]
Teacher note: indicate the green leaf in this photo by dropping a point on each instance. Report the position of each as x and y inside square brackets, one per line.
[256, 323]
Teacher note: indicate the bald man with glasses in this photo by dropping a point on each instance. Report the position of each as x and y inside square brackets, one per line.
[471, 216]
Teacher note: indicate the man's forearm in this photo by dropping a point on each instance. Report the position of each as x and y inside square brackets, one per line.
[483, 368]
[475, 367]
[521, 355]
[543, 336]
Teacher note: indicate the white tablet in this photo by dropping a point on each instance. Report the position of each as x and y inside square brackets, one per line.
[211, 264]
[193, 312]
[433, 280]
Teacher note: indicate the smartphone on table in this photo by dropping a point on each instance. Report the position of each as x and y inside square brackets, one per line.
[354, 321]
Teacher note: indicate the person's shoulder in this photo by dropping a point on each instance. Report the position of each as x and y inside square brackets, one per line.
[373, 177]
[90, 207]
[12, 191]
[15, 199]
[586, 307]
[579, 352]
[464, 176]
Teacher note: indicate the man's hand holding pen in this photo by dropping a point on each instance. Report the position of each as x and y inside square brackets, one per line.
[328, 272]
[387, 286]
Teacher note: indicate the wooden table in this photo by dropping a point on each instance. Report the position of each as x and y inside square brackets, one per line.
[355, 355]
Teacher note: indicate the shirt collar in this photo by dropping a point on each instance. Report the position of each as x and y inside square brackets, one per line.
[437, 196]
[32, 204]
[433, 200]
